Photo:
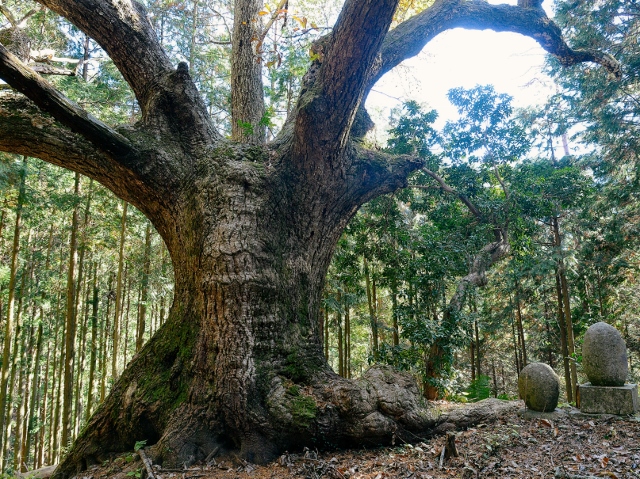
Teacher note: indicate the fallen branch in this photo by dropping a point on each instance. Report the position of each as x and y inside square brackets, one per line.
[147, 463]
[560, 473]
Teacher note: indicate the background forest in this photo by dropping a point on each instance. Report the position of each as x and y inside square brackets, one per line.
[502, 252]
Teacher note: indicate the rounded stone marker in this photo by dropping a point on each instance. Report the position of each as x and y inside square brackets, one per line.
[539, 386]
[604, 356]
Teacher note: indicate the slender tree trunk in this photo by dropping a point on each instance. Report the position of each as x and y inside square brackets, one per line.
[144, 295]
[394, 309]
[600, 301]
[2, 219]
[372, 310]
[105, 340]
[548, 317]
[194, 35]
[516, 351]
[33, 405]
[478, 349]
[571, 349]
[520, 327]
[20, 360]
[472, 355]
[93, 345]
[495, 379]
[22, 390]
[563, 341]
[42, 423]
[31, 380]
[118, 307]
[56, 404]
[80, 369]
[52, 422]
[563, 298]
[340, 337]
[347, 342]
[247, 97]
[125, 314]
[9, 324]
[70, 323]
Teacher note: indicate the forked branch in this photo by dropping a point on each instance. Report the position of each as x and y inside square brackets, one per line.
[335, 85]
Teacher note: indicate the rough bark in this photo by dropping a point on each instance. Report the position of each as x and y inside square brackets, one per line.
[238, 366]
[247, 96]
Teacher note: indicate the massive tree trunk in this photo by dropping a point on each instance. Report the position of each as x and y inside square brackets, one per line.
[237, 367]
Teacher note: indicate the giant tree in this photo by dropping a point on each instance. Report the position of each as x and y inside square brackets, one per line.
[250, 226]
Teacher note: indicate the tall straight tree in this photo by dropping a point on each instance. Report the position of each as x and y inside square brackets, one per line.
[250, 227]
[9, 322]
[118, 308]
[70, 322]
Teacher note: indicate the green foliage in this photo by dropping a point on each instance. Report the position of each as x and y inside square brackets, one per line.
[479, 389]
[487, 131]
[139, 445]
[247, 127]
[413, 131]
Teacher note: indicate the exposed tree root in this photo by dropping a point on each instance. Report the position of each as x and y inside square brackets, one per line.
[383, 408]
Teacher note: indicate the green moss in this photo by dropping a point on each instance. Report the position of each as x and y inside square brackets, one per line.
[256, 154]
[302, 407]
[303, 410]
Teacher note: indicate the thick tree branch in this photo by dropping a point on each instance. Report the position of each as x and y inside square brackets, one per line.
[46, 97]
[334, 86]
[374, 173]
[26, 130]
[410, 37]
[123, 30]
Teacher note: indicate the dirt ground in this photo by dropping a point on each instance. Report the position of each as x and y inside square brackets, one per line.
[569, 445]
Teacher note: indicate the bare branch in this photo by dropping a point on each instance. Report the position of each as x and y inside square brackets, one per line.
[272, 20]
[410, 37]
[44, 69]
[488, 256]
[28, 15]
[445, 187]
[46, 97]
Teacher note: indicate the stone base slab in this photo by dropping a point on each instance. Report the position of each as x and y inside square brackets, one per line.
[620, 400]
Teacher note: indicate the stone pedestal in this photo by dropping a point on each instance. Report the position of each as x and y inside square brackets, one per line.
[619, 400]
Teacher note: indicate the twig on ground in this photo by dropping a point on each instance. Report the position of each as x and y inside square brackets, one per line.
[147, 463]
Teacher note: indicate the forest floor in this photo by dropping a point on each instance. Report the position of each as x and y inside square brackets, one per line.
[569, 445]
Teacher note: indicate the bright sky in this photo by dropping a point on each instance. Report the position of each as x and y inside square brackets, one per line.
[510, 62]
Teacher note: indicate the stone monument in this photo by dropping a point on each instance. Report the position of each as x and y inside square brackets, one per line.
[539, 386]
[604, 359]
